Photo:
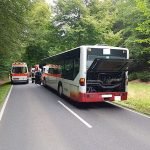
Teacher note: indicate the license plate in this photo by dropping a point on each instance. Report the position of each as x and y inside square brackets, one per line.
[106, 95]
[117, 98]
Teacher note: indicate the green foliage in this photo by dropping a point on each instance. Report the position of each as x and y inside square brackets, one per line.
[133, 76]
[38, 20]
[79, 22]
[4, 89]
[34, 54]
[143, 76]
[144, 27]
[12, 27]
[133, 19]
[31, 30]
[138, 98]
[11, 23]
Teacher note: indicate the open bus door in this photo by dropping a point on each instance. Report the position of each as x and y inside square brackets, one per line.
[106, 75]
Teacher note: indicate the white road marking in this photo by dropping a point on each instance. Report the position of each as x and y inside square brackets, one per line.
[77, 116]
[4, 105]
[130, 110]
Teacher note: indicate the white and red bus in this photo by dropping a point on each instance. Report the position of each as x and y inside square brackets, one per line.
[89, 73]
[19, 73]
[47, 72]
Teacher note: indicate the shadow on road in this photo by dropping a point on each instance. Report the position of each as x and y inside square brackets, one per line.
[84, 106]
[23, 83]
[91, 105]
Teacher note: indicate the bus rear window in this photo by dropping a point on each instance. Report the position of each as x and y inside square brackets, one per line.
[19, 70]
[94, 53]
[107, 65]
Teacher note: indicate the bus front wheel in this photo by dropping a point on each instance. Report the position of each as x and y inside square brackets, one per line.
[27, 81]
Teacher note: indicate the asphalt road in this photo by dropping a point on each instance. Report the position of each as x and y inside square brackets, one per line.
[35, 118]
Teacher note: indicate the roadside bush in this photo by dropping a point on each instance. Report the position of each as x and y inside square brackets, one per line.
[144, 76]
[133, 76]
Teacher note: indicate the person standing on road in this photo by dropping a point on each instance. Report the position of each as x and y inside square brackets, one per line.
[38, 75]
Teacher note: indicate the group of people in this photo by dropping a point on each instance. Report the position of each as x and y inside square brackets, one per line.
[36, 75]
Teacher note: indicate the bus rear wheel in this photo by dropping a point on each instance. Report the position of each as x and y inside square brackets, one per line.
[60, 90]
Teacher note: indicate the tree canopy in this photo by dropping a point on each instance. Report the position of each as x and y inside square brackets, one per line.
[12, 28]
[32, 30]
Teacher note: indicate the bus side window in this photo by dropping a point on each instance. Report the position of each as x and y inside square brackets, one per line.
[68, 71]
[56, 71]
[50, 70]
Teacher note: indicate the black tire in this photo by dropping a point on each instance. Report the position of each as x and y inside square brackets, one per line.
[27, 81]
[60, 90]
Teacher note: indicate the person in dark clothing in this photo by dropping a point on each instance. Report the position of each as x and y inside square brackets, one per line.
[38, 75]
[33, 76]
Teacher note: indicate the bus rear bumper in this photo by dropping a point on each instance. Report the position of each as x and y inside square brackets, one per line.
[102, 96]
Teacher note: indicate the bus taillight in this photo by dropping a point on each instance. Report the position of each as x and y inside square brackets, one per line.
[82, 81]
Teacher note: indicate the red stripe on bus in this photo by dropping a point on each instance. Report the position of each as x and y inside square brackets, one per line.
[54, 75]
[97, 97]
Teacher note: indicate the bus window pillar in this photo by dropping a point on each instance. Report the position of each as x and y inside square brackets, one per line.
[83, 60]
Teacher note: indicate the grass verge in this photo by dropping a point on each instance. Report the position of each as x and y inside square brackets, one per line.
[4, 89]
[138, 97]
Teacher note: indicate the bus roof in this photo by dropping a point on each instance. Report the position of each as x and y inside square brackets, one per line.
[51, 66]
[88, 46]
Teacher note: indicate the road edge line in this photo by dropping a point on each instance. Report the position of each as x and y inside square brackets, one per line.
[5, 103]
[134, 111]
[76, 115]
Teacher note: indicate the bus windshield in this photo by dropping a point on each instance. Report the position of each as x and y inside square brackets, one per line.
[19, 70]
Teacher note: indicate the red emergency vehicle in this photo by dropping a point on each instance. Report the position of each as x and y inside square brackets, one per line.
[19, 73]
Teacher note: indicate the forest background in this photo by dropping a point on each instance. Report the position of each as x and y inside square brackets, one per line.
[33, 29]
